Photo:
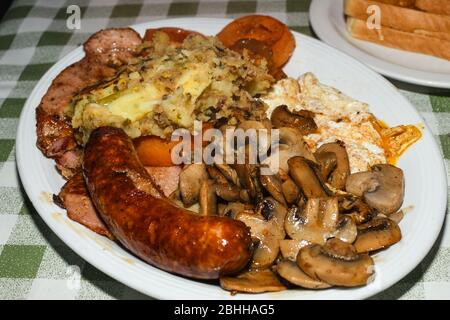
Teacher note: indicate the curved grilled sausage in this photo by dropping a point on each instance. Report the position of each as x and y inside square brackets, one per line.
[137, 214]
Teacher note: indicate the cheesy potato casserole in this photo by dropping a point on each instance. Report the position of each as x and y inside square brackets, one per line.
[170, 87]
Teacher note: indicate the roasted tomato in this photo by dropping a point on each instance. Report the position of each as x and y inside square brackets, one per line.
[263, 36]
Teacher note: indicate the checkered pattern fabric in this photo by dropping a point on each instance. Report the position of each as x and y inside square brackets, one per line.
[34, 263]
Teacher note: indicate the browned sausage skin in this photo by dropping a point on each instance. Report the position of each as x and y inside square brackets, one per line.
[151, 227]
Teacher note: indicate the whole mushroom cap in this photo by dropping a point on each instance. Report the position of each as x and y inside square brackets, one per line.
[383, 187]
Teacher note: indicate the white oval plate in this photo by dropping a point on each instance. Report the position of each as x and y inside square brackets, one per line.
[422, 164]
[327, 20]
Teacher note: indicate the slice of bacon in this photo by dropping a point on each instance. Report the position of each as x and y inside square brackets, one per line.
[165, 178]
[74, 197]
[105, 51]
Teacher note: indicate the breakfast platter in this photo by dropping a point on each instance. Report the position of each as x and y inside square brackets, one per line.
[350, 161]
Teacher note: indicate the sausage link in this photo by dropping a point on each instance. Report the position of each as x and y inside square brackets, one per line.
[138, 215]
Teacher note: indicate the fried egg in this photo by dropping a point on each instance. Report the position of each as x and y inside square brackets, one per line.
[338, 117]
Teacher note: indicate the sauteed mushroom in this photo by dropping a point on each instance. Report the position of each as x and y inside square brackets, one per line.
[292, 273]
[266, 235]
[336, 263]
[291, 145]
[244, 195]
[346, 229]
[355, 208]
[224, 189]
[227, 191]
[272, 184]
[327, 163]
[338, 175]
[247, 174]
[257, 125]
[301, 171]
[191, 178]
[290, 191]
[316, 223]
[207, 198]
[303, 120]
[267, 229]
[215, 174]
[377, 234]
[229, 173]
[289, 248]
[382, 187]
[254, 281]
[231, 209]
[271, 209]
[397, 216]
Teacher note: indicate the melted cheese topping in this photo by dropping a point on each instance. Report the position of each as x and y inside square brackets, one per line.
[170, 87]
[137, 103]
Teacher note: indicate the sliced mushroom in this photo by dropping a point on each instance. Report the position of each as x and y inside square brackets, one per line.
[397, 216]
[355, 208]
[290, 191]
[245, 196]
[339, 174]
[245, 175]
[303, 120]
[346, 230]
[232, 209]
[215, 174]
[266, 237]
[336, 263]
[290, 271]
[191, 178]
[327, 163]
[382, 187]
[267, 229]
[175, 198]
[272, 184]
[257, 125]
[315, 223]
[207, 198]
[272, 210]
[227, 191]
[301, 171]
[256, 281]
[291, 145]
[377, 234]
[289, 248]
[229, 173]
[248, 177]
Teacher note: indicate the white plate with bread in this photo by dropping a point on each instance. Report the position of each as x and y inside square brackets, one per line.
[407, 40]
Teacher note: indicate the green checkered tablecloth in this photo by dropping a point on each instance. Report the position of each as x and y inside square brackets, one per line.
[34, 263]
